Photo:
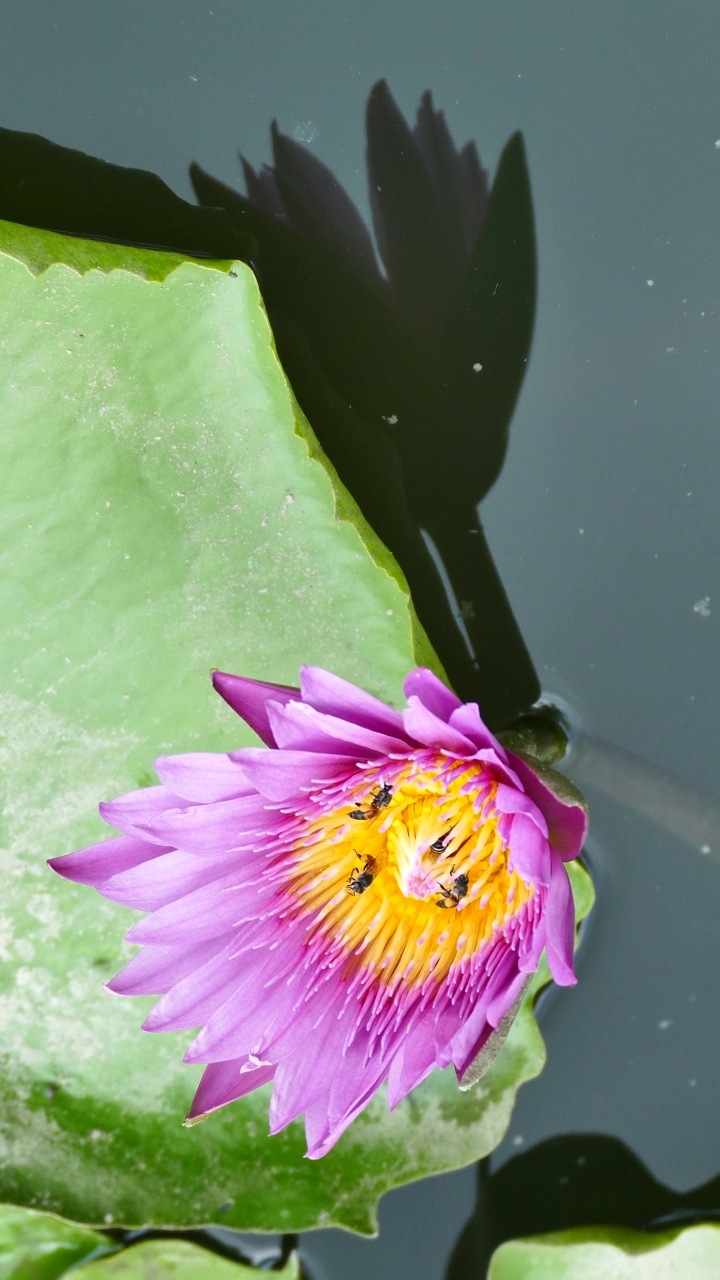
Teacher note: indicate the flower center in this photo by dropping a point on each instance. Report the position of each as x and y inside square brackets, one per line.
[404, 868]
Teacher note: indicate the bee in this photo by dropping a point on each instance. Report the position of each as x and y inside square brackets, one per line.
[457, 890]
[380, 799]
[361, 880]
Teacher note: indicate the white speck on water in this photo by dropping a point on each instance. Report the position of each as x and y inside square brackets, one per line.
[518, 1140]
[702, 606]
[581, 530]
[477, 367]
[663, 1026]
[692, 1083]
[705, 848]
[306, 131]
[649, 283]
[717, 144]
[669, 350]
[391, 420]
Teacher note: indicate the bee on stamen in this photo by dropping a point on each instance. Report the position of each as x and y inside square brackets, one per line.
[379, 799]
[456, 892]
[361, 880]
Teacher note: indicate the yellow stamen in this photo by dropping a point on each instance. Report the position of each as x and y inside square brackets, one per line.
[396, 905]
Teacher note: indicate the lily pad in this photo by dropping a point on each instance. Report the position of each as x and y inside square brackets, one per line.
[613, 1254]
[38, 1246]
[176, 1260]
[164, 509]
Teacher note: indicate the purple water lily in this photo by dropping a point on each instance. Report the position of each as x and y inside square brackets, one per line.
[361, 901]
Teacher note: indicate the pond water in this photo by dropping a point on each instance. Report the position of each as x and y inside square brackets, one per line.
[605, 521]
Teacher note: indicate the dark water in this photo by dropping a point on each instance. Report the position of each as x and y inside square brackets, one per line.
[605, 521]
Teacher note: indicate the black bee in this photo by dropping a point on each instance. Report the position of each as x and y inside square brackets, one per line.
[457, 890]
[380, 799]
[361, 880]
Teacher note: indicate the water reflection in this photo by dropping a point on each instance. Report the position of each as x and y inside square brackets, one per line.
[574, 1180]
[650, 791]
[409, 376]
[59, 189]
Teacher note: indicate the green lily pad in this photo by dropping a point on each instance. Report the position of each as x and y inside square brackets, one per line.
[176, 1260]
[37, 1246]
[612, 1254]
[164, 510]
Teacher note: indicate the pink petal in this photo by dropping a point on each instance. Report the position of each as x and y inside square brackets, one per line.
[155, 970]
[560, 924]
[415, 1059]
[567, 823]
[99, 862]
[456, 1042]
[306, 1074]
[507, 988]
[427, 728]
[134, 811]
[205, 913]
[146, 887]
[224, 1082]
[510, 800]
[194, 999]
[264, 1001]
[249, 699]
[336, 697]
[355, 1085]
[468, 1049]
[500, 770]
[468, 721]
[304, 728]
[208, 830]
[529, 849]
[433, 694]
[202, 776]
[284, 775]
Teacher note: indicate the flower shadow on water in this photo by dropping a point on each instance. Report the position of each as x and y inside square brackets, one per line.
[409, 376]
[566, 1182]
